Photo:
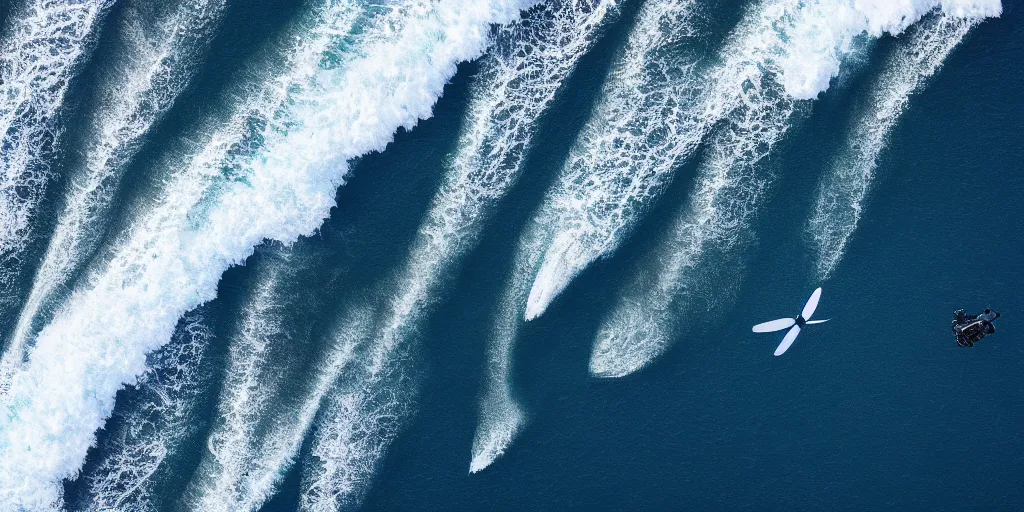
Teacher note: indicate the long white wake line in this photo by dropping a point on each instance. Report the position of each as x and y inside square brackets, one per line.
[155, 70]
[249, 382]
[41, 48]
[123, 478]
[501, 416]
[625, 156]
[517, 81]
[243, 468]
[211, 217]
[811, 36]
[653, 112]
[843, 189]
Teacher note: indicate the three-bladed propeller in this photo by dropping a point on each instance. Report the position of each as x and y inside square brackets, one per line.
[794, 324]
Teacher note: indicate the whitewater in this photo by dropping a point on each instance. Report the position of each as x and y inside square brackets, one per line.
[802, 58]
[42, 45]
[208, 220]
[152, 69]
[845, 187]
[237, 273]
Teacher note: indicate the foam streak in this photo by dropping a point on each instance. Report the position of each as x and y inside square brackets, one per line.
[45, 43]
[843, 189]
[158, 67]
[211, 216]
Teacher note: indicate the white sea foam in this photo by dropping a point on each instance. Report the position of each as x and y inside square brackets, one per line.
[501, 415]
[789, 43]
[254, 441]
[42, 45]
[843, 189]
[516, 82]
[155, 426]
[211, 214]
[148, 74]
[661, 23]
[649, 118]
[359, 418]
[646, 123]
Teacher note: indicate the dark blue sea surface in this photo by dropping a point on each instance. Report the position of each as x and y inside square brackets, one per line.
[370, 352]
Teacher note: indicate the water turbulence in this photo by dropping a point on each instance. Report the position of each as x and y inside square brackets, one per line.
[844, 187]
[162, 412]
[148, 72]
[517, 81]
[258, 424]
[41, 48]
[295, 136]
[648, 71]
[650, 116]
[789, 53]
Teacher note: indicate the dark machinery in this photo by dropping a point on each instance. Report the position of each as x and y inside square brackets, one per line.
[970, 329]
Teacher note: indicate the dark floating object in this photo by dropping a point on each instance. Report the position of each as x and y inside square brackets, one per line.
[970, 329]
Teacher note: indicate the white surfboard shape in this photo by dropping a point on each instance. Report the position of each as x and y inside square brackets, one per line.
[793, 324]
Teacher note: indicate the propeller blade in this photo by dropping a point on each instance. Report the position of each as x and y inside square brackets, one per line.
[788, 340]
[812, 322]
[811, 305]
[774, 325]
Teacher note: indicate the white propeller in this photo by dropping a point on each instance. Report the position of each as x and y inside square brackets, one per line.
[793, 324]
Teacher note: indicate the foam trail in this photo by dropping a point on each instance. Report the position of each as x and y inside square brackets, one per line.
[359, 418]
[245, 462]
[843, 189]
[245, 396]
[517, 81]
[650, 116]
[596, 203]
[155, 426]
[501, 416]
[489, 158]
[793, 56]
[40, 51]
[280, 185]
[156, 67]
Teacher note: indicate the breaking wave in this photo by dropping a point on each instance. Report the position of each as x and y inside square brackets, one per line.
[789, 52]
[151, 70]
[843, 189]
[210, 216]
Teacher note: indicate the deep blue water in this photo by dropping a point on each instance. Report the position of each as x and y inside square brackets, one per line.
[878, 409]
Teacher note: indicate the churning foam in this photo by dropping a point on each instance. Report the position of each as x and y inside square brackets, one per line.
[790, 52]
[842, 190]
[647, 120]
[360, 416]
[625, 156]
[212, 213]
[151, 71]
[41, 48]
[517, 81]
[156, 425]
[254, 441]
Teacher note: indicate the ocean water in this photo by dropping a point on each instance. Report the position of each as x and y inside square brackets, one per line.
[505, 255]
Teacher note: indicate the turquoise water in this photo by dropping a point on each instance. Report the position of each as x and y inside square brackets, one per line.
[406, 174]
